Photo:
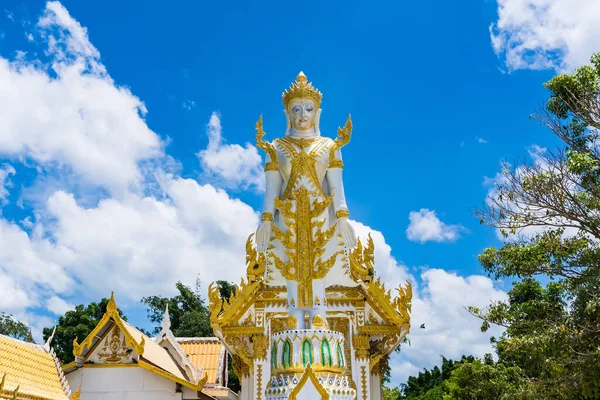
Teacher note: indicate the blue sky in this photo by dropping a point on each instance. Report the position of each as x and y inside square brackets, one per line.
[109, 180]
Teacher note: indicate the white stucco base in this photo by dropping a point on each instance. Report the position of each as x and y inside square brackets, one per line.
[127, 383]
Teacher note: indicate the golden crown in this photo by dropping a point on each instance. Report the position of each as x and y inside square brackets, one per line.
[301, 87]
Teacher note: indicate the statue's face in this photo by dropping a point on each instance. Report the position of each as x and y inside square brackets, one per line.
[302, 112]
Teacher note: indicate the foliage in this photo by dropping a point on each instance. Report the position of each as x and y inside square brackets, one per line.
[76, 323]
[391, 393]
[417, 387]
[187, 310]
[483, 380]
[189, 315]
[470, 378]
[9, 326]
[549, 209]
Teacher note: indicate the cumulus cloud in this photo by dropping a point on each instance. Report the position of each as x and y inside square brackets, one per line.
[231, 165]
[425, 226]
[546, 34]
[450, 330]
[6, 171]
[139, 240]
[83, 120]
[58, 306]
[439, 302]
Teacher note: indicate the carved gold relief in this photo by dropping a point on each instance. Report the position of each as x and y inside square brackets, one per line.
[114, 349]
[305, 243]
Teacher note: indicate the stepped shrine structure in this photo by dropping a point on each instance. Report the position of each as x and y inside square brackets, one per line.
[310, 320]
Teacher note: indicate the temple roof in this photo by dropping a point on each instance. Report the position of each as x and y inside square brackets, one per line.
[207, 353]
[151, 354]
[31, 370]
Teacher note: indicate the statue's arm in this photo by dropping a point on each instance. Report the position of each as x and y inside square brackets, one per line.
[335, 181]
[336, 185]
[274, 182]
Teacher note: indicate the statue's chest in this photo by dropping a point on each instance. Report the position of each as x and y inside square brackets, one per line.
[311, 159]
[299, 164]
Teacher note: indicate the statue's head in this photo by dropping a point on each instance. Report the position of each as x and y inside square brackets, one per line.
[302, 101]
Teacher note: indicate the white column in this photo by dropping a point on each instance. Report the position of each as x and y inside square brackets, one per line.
[363, 385]
[376, 387]
[260, 379]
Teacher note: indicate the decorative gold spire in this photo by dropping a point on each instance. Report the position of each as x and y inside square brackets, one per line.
[301, 87]
[111, 307]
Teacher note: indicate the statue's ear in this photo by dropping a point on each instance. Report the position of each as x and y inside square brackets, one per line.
[288, 123]
[317, 120]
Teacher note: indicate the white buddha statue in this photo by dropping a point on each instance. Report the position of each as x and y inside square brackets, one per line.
[305, 232]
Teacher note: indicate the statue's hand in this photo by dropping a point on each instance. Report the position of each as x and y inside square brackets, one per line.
[347, 232]
[263, 236]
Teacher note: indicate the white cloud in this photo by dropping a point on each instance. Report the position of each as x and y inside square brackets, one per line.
[140, 242]
[438, 302]
[392, 272]
[6, 171]
[481, 140]
[425, 226]
[231, 165]
[189, 104]
[543, 34]
[83, 121]
[58, 306]
[450, 330]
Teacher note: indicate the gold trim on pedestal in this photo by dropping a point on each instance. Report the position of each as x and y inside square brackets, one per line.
[309, 374]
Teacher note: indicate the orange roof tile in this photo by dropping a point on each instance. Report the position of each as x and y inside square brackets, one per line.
[207, 354]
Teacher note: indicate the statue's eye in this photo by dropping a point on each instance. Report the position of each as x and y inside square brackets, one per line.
[309, 109]
[296, 110]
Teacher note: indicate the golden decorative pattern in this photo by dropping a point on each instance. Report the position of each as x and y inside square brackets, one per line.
[76, 394]
[256, 262]
[361, 261]
[30, 371]
[342, 325]
[342, 214]
[363, 381]
[291, 322]
[309, 374]
[303, 163]
[300, 368]
[318, 322]
[302, 88]
[259, 382]
[273, 164]
[260, 345]
[362, 345]
[115, 349]
[267, 216]
[304, 245]
[112, 313]
[343, 138]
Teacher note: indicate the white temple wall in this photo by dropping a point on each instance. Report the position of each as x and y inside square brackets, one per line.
[130, 383]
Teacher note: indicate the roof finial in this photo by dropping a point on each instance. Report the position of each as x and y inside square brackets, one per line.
[111, 307]
[166, 322]
[50, 338]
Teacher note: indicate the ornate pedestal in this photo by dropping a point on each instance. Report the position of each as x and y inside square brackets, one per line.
[310, 321]
[321, 351]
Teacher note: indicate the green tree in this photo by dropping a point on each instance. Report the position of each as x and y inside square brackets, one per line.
[188, 311]
[76, 323]
[10, 326]
[549, 209]
[189, 315]
[483, 380]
